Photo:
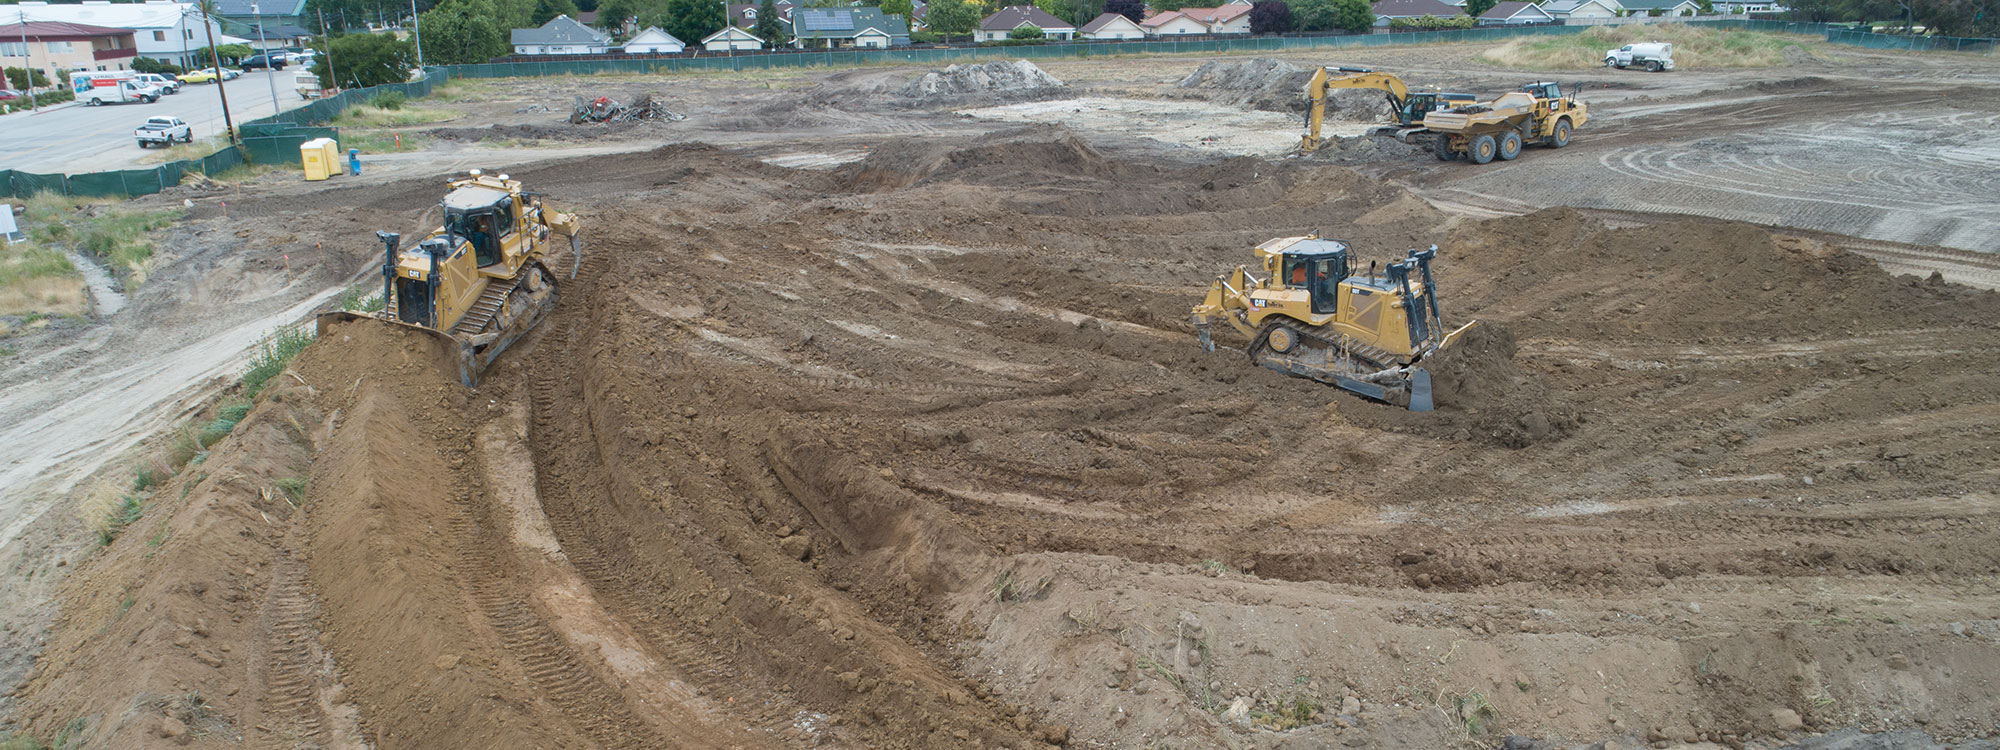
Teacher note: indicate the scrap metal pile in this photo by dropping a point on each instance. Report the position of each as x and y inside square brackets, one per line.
[607, 109]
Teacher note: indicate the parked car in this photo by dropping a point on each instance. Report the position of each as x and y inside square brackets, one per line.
[208, 75]
[163, 131]
[268, 60]
[166, 83]
[7, 95]
[1652, 56]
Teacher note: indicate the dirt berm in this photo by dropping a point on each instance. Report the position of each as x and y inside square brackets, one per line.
[925, 455]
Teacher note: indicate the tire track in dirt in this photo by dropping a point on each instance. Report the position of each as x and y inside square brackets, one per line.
[289, 707]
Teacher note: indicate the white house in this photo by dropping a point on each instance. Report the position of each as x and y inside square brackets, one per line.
[1514, 13]
[1388, 10]
[653, 41]
[1583, 8]
[1226, 19]
[1112, 27]
[562, 35]
[732, 39]
[1172, 23]
[161, 29]
[1004, 21]
[1664, 7]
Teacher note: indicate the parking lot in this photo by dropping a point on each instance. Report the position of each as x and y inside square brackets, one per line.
[73, 138]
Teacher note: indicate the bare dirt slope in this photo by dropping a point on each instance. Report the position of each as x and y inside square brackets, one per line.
[920, 453]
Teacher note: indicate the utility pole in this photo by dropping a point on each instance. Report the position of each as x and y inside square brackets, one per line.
[270, 72]
[28, 63]
[330, 72]
[215, 56]
[417, 33]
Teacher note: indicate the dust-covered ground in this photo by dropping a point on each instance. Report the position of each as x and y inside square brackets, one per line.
[881, 425]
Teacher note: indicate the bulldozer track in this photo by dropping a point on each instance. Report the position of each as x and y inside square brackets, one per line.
[291, 714]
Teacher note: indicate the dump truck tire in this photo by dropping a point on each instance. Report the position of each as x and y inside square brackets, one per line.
[1561, 136]
[1481, 149]
[1510, 145]
[1442, 147]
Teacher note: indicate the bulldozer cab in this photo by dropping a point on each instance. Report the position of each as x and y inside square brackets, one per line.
[1544, 89]
[484, 217]
[1317, 266]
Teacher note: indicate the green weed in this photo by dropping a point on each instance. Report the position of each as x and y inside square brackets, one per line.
[128, 511]
[1694, 47]
[273, 356]
[294, 486]
[366, 298]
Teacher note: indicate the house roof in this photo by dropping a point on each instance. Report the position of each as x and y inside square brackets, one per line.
[1097, 24]
[1212, 16]
[587, 18]
[734, 33]
[57, 31]
[264, 7]
[147, 15]
[844, 23]
[1414, 9]
[1652, 4]
[1570, 6]
[653, 35]
[561, 30]
[1502, 11]
[1157, 20]
[744, 14]
[1016, 16]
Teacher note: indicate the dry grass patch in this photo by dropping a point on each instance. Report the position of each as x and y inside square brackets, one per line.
[1694, 47]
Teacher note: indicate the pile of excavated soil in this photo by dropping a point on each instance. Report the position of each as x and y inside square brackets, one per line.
[1275, 86]
[993, 80]
[924, 454]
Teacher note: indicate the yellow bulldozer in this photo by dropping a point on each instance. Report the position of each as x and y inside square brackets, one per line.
[1407, 108]
[1313, 315]
[480, 281]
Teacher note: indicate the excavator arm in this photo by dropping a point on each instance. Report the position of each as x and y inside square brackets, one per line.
[1325, 80]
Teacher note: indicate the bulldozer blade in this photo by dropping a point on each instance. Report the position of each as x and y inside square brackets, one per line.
[457, 356]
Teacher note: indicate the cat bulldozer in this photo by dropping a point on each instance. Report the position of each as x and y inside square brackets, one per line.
[1479, 133]
[1312, 315]
[1407, 108]
[479, 282]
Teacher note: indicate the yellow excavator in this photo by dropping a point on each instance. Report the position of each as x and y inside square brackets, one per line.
[1407, 108]
[1313, 315]
[480, 281]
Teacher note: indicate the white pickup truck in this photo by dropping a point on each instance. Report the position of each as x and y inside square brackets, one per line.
[163, 131]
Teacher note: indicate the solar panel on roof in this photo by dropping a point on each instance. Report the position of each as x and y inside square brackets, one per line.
[829, 20]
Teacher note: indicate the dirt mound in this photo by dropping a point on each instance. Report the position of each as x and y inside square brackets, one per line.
[1002, 80]
[1257, 83]
[567, 133]
[1478, 376]
[1009, 156]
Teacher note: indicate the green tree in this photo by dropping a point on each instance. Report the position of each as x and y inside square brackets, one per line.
[691, 20]
[899, 8]
[19, 78]
[366, 60]
[463, 31]
[771, 28]
[1076, 12]
[1475, 7]
[1135, 10]
[1353, 15]
[1165, 5]
[1270, 17]
[1025, 32]
[953, 17]
[1707, 7]
[546, 10]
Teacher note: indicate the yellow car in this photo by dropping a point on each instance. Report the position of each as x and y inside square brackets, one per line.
[206, 75]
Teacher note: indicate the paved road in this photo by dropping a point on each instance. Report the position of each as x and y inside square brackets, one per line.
[74, 138]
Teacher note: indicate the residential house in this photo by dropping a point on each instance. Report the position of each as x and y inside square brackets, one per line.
[1514, 13]
[1226, 19]
[1749, 6]
[745, 14]
[732, 39]
[1112, 27]
[1582, 8]
[1172, 23]
[562, 35]
[653, 41]
[997, 26]
[1387, 10]
[162, 30]
[52, 46]
[1665, 7]
[865, 26]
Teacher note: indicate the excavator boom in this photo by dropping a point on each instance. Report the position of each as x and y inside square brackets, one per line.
[1407, 111]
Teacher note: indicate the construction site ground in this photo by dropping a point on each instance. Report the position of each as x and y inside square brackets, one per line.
[873, 419]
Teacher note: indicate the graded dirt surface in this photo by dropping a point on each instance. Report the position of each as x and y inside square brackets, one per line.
[915, 449]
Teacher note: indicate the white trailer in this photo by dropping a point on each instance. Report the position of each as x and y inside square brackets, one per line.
[1653, 56]
[114, 87]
